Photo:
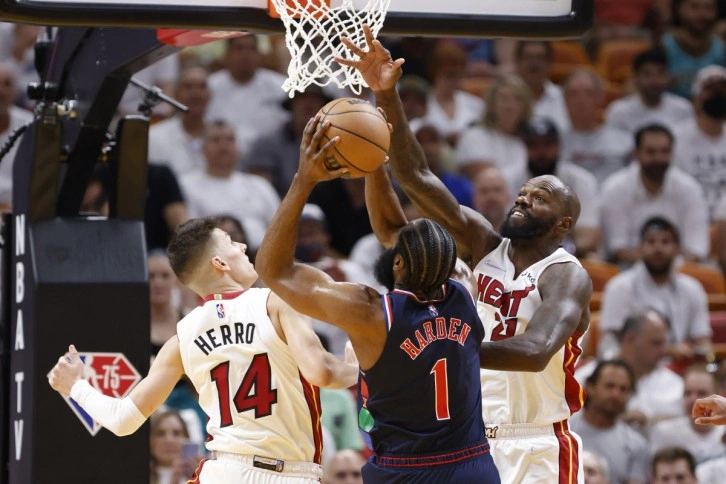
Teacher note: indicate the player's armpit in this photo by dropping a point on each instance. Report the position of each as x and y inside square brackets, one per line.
[165, 372]
[319, 367]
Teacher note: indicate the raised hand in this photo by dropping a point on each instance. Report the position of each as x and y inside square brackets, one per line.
[312, 156]
[66, 372]
[375, 65]
[710, 410]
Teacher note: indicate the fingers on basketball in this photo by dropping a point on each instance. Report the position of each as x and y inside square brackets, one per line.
[364, 136]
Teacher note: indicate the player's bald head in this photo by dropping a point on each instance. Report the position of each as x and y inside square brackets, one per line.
[564, 195]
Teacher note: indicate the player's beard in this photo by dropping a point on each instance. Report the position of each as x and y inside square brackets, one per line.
[383, 268]
[530, 229]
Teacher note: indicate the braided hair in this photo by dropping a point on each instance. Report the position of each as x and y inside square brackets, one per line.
[429, 252]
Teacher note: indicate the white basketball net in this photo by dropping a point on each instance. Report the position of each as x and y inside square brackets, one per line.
[312, 34]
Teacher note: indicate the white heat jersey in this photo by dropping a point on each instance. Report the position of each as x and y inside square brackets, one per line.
[506, 304]
[249, 385]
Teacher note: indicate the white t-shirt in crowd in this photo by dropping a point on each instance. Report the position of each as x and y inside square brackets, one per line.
[468, 110]
[681, 201]
[703, 157]
[252, 109]
[658, 394]
[629, 113]
[552, 105]
[682, 300]
[170, 145]
[712, 471]
[601, 152]
[249, 198]
[702, 446]
[18, 117]
[482, 144]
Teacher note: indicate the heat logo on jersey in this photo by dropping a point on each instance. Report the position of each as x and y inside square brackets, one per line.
[111, 374]
[220, 311]
[491, 291]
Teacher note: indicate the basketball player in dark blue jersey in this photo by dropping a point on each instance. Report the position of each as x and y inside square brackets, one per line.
[418, 345]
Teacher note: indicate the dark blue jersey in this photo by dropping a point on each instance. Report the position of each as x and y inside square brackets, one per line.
[423, 394]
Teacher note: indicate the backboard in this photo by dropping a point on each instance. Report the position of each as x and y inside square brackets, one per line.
[465, 18]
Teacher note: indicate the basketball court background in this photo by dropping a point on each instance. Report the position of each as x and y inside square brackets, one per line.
[71, 279]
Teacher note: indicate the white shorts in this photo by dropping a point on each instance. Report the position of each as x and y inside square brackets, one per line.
[533, 454]
[238, 469]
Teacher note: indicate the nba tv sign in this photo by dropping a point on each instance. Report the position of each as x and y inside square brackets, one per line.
[111, 374]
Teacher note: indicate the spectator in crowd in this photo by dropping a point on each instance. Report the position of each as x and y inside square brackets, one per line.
[652, 187]
[701, 441]
[165, 206]
[720, 241]
[595, 468]
[434, 148]
[274, 156]
[414, 93]
[701, 140]
[673, 464]
[496, 141]
[651, 103]
[168, 436]
[492, 196]
[344, 205]
[596, 147]
[542, 140]
[449, 109]
[248, 97]
[712, 471]
[642, 344]
[164, 210]
[344, 468]
[602, 431]
[533, 60]
[165, 312]
[692, 44]
[220, 189]
[177, 141]
[16, 49]
[11, 118]
[654, 283]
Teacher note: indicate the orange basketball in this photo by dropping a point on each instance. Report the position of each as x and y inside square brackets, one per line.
[363, 132]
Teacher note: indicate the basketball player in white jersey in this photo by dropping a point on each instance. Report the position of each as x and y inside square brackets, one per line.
[532, 297]
[254, 361]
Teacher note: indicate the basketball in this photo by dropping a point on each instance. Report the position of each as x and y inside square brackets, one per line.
[363, 132]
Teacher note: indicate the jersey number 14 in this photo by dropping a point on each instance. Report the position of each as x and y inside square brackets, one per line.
[259, 375]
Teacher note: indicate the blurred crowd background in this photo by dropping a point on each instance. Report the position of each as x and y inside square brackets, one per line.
[631, 117]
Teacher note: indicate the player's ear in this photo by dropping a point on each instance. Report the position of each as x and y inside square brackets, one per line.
[219, 264]
[398, 262]
[565, 225]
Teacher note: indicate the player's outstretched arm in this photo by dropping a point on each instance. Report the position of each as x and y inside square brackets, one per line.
[473, 234]
[355, 308]
[384, 210]
[318, 366]
[565, 290]
[710, 410]
[122, 416]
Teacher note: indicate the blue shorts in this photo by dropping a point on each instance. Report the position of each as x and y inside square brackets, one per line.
[459, 466]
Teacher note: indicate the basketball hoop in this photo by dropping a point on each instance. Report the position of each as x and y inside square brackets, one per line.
[313, 30]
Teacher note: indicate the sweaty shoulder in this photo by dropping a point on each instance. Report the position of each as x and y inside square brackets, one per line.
[566, 279]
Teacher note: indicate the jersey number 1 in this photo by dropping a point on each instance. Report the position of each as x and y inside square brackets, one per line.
[441, 389]
[258, 374]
